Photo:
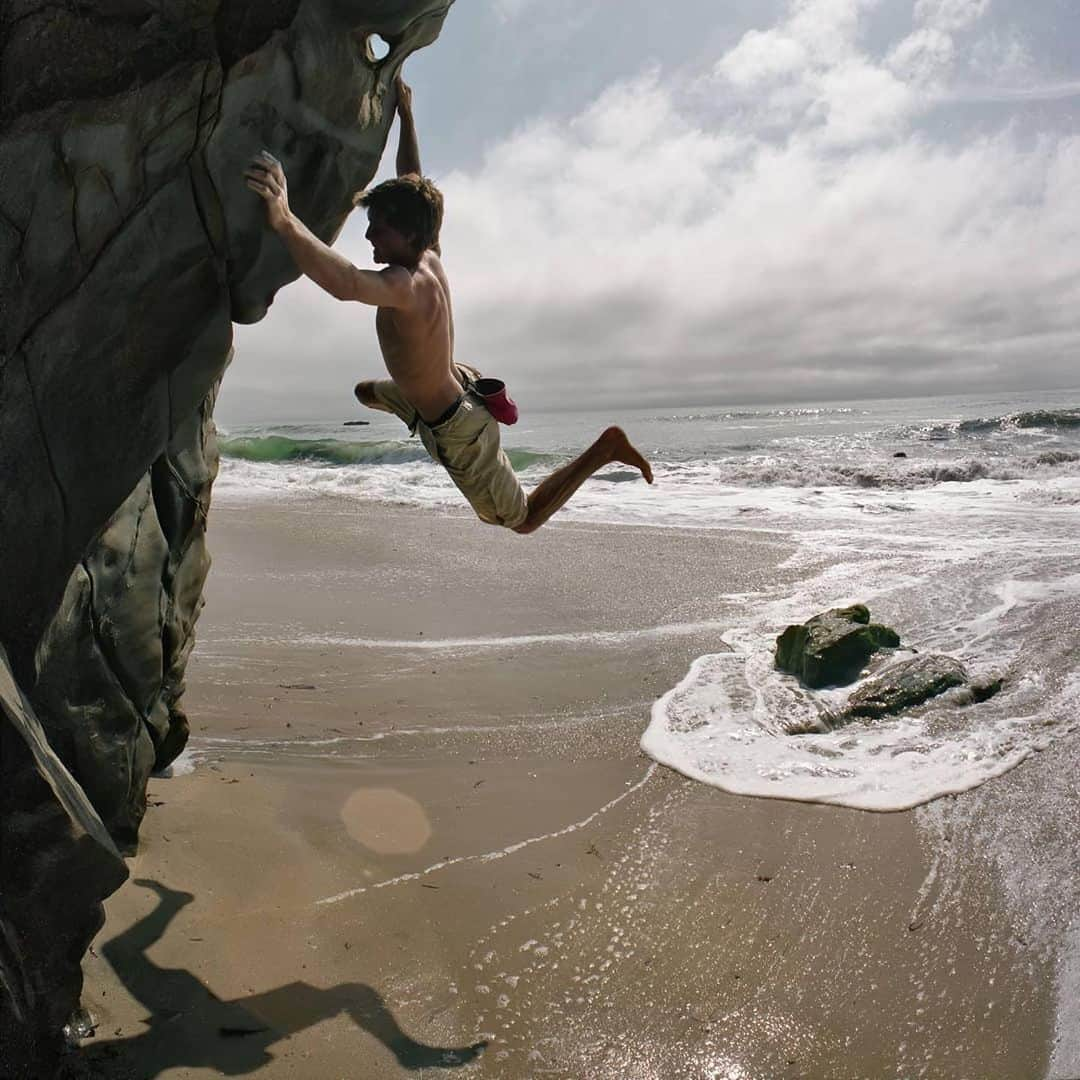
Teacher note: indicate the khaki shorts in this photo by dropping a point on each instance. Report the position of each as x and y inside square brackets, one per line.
[467, 446]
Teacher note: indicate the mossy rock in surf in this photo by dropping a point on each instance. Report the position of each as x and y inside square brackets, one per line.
[832, 648]
[905, 685]
[913, 682]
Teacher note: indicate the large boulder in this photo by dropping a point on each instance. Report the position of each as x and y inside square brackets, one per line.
[129, 241]
[832, 648]
[129, 244]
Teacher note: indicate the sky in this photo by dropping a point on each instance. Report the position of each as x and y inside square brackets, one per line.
[728, 203]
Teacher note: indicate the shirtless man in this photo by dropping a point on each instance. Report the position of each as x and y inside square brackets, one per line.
[415, 327]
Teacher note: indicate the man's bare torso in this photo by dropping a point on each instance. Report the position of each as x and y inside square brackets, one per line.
[418, 342]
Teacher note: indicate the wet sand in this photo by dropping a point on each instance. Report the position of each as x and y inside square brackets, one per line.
[419, 820]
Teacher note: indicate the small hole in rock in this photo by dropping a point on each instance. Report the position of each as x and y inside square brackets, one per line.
[379, 47]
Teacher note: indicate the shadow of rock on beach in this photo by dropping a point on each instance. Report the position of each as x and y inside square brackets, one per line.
[190, 1026]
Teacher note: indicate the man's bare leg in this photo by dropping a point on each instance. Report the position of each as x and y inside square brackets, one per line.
[551, 494]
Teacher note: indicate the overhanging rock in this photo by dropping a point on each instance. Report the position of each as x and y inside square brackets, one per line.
[128, 245]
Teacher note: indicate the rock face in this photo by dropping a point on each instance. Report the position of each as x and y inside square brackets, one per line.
[54, 846]
[831, 649]
[128, 239]
[128, 245]
[110, 666]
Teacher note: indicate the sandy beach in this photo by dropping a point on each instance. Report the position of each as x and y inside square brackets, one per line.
[419, 820]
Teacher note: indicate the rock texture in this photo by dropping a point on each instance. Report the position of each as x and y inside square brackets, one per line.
[832, 648]
[905, 685]
[128, 238]
[913, 682]
[54, 846]
[128, 245]
[902, 686]
[110, 666]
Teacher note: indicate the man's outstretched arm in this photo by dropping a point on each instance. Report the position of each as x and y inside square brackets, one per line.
[408, 149]
[391, 287]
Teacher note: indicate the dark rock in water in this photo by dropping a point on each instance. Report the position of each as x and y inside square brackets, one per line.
[984, 689]
[905, 685]
[357, 423]
[899, 453]
[898, 687]
[831, 649]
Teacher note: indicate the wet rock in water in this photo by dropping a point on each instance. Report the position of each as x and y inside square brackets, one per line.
[832, 648]
[905, 685]
[901, 686]
[984, 689]
[899, 453]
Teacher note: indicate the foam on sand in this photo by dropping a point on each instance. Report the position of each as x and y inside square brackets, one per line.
[726, 724]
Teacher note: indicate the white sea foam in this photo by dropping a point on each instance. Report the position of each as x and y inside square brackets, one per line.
[725, 724]
[686, 494]
[602, 638]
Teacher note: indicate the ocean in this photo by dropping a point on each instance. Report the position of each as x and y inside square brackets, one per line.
[955, 519]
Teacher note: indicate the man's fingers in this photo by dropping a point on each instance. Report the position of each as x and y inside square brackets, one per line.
[267, 161]
[270, 165]
[265, 180]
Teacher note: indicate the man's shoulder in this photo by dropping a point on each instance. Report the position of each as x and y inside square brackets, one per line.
[430, 258]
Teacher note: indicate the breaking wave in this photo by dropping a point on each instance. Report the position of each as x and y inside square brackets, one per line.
[897, 474]
[1036, 419]
[282, 449]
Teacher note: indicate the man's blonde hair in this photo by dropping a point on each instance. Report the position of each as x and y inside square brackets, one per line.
[412, 204]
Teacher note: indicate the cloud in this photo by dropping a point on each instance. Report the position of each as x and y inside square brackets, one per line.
[639, 239]
[1055, 91]
[782, 226]
[508, 10]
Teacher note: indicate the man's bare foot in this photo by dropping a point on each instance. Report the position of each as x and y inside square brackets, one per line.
[622, 450]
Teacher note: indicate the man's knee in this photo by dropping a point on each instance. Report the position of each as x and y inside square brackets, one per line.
[365, 394]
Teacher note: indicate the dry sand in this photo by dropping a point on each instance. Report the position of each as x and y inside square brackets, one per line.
[398, 847]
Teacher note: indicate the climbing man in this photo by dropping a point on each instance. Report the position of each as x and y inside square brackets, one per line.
[430, 392]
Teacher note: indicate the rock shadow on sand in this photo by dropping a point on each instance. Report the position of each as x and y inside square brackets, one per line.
[190, 1026]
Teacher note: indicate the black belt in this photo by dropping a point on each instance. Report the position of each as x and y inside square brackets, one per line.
[446, 413]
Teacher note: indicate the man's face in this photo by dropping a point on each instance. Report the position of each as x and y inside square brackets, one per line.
[388, 245]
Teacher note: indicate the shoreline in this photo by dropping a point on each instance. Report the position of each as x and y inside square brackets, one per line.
[465, 842]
